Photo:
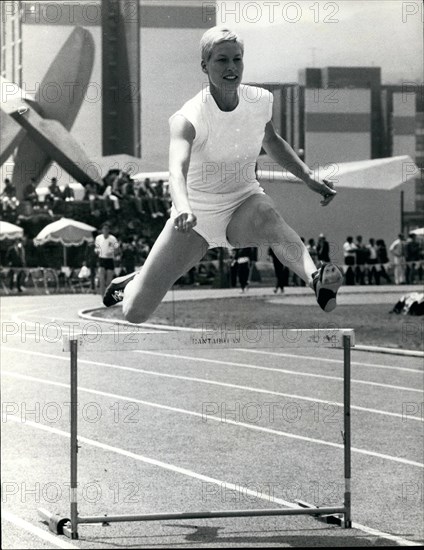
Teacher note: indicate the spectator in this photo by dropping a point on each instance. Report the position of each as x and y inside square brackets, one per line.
[233, 269]
[106, 247]
[130, 196]
[164, 198]
[54, 194]
[372, 262]
[30, 193]
[91, 194]
[382, 260]
[412, 257]
[361, 260]
[313, 252]
[397, 249]
[349, 253]
[244, 259]
[68, 193]
[113, 187]
[90, 258]
[16, 260]
[281, 272]
[128, 257]
[8, 196]
[323, 249]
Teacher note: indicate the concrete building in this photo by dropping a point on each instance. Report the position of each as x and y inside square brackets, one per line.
[344, 114]
[337, 125]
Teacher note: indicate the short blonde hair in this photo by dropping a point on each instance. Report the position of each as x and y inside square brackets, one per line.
[216, 35]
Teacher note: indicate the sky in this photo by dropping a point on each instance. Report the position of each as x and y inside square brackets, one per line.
[285, 36]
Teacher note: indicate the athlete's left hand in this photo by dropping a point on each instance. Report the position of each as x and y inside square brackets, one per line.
[324, 187]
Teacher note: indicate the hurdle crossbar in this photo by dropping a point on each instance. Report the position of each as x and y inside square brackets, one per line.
[205, 339]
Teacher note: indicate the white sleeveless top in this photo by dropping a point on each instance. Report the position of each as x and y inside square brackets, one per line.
[227, 143]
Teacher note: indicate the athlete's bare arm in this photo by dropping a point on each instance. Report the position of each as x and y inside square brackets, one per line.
[281, 152]
[182, 136]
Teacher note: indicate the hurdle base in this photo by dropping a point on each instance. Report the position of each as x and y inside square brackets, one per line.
[57, 524]
[331, 519]
[66, 528]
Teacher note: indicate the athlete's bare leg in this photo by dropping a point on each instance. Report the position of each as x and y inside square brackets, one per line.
[173, 254]
[256, 222]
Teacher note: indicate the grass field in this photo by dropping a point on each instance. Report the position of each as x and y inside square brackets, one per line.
[373, 323]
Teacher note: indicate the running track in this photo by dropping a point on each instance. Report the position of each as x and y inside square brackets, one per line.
[270, 437]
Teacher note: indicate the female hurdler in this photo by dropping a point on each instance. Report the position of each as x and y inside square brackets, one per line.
[216, 138]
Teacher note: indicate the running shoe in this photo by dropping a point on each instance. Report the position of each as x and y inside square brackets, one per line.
[115, 291]
[327, 281]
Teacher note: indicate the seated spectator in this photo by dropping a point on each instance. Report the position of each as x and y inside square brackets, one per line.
[54, 194]
[8, 196]
[113, 187]
[68, 193]
[163, 197]
[129, 195]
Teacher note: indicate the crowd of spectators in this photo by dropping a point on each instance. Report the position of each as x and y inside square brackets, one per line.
[147, 199]
[131, 207]
[402, 263]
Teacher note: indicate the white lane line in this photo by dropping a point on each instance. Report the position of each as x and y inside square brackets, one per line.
[312, 358]
[48, 537]
[273, 369]
[216, 383]
[232, 422]
[195, 475]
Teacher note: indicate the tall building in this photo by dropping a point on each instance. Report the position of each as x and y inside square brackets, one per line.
[343, 114]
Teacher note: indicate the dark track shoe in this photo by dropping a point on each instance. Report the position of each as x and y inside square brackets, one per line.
[327, 281]
[115, 291]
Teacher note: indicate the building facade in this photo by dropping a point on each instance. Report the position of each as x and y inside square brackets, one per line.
[344, 114]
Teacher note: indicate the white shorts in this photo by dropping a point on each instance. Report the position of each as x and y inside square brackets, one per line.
[214, 212]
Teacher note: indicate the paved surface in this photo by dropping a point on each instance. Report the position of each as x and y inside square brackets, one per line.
[165, 431]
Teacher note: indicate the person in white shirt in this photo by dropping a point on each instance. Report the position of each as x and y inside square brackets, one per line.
[397, 249]
[106, 246]
[216, 138]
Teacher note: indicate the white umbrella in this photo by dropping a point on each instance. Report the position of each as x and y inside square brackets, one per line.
[67, 232]
[419, 232]
[10, 231]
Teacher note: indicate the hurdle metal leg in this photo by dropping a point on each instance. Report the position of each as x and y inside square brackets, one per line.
[74, 439]
[346, 435]
[340, 515]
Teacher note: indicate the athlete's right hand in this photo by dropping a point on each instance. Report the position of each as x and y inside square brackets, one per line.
[185, 221]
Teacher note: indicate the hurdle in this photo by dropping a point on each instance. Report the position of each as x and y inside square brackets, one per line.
[250, 338]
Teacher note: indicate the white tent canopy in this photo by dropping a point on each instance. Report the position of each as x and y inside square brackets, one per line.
[10, 231]
[67, 232]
